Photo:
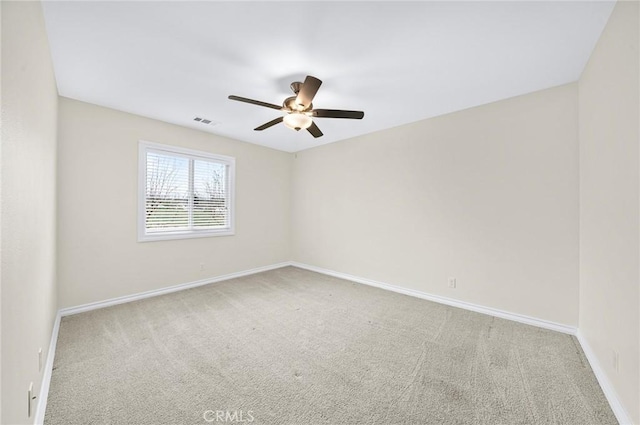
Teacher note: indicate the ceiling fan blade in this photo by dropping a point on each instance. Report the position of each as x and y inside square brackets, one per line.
[314, 130]
[255, 102]
[269, 124]
[308, 91]
[337, 113]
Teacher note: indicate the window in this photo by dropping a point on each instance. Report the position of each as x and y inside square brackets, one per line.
[183, 193]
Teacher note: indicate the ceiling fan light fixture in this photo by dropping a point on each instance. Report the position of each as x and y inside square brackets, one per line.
[297, 121]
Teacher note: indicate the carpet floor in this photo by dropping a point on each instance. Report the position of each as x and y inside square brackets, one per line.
[290, 346]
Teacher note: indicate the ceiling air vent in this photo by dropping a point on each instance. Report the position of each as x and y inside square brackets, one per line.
[205, 121]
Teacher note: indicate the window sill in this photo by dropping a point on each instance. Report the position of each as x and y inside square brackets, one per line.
[184, 235]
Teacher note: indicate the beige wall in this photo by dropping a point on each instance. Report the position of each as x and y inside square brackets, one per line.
[28, 178]
[487, 195]
[99, 256]
[609, 196]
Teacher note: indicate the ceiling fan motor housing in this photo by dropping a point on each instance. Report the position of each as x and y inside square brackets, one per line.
[291, 105]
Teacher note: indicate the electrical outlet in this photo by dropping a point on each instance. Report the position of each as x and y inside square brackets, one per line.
[452, 282]
[40, 359]
[201, 267]
[616, 361]
[30, 398]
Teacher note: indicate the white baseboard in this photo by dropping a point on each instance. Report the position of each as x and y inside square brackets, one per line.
[154, 293]
[48, 369]
[605, 384]
[571, 330]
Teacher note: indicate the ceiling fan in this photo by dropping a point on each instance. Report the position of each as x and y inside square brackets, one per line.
[299, 109]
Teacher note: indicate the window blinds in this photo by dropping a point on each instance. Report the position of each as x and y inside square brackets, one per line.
[185, 193]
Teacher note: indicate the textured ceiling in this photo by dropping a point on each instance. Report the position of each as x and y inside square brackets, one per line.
[399, 62]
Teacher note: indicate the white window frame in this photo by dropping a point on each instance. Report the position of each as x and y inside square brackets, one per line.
[230, 162]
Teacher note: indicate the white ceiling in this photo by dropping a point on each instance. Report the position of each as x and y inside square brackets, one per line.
[398, 61]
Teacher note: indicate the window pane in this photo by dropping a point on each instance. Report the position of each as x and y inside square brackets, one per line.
[210, 208]
[167, 193]
[184, 193]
